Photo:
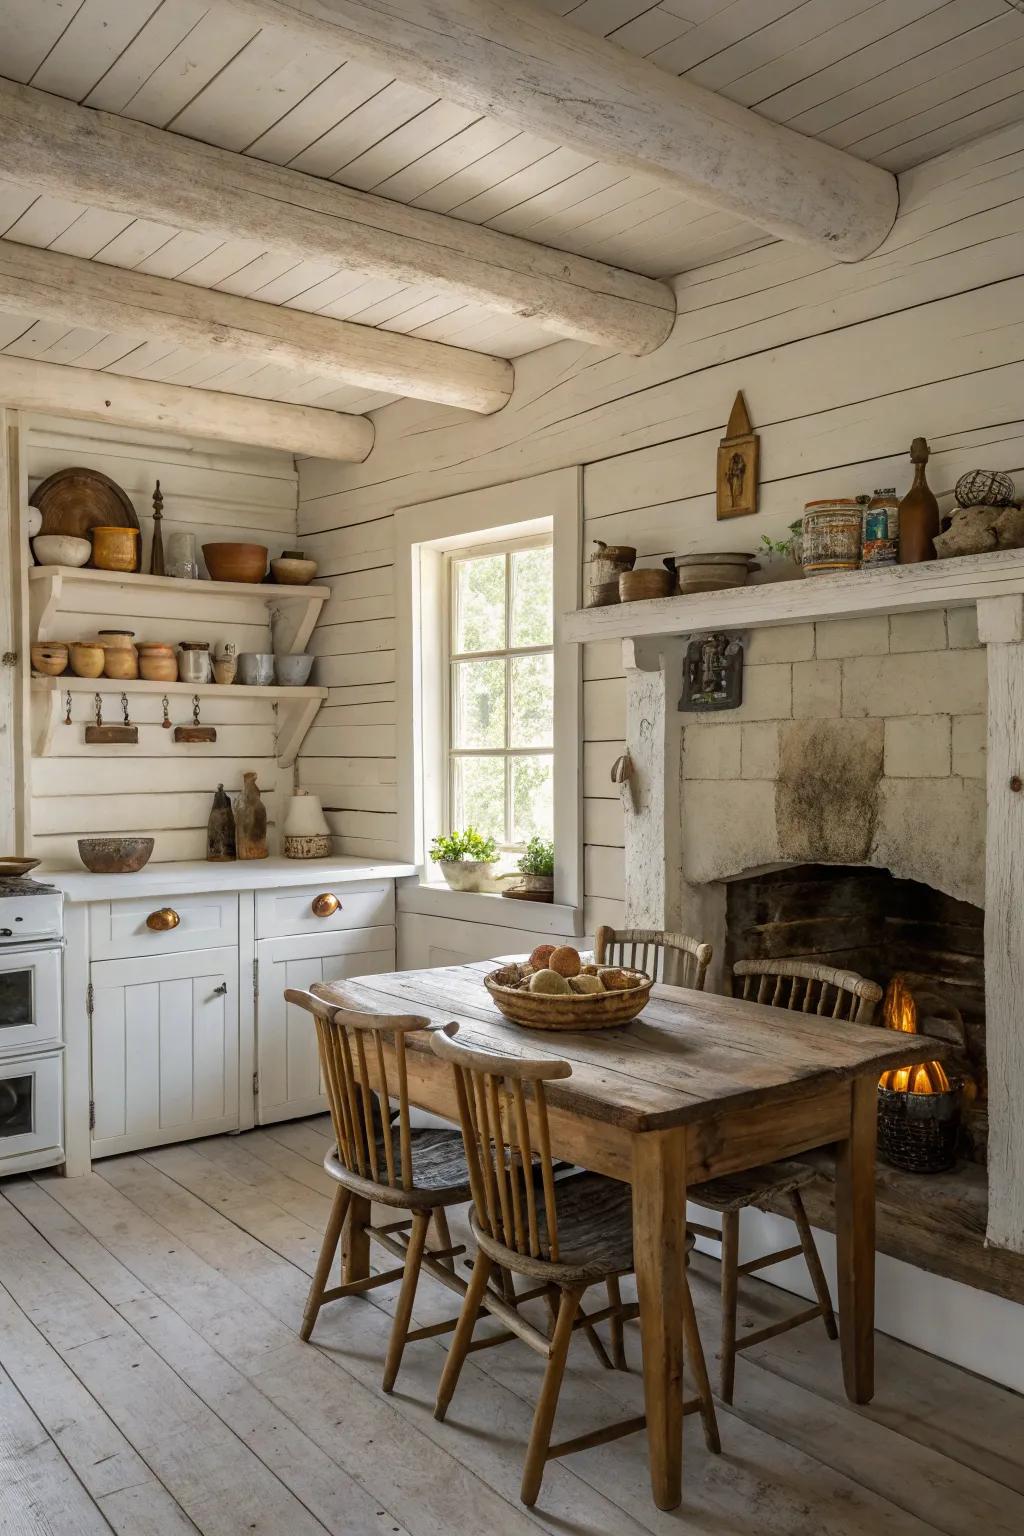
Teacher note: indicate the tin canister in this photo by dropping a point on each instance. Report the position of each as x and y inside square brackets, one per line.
[882, 529]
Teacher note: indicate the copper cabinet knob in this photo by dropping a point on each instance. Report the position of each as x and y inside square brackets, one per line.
[163, 921]
[326, 904]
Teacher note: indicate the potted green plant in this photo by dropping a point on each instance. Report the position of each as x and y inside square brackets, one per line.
[537, 866]
[467, 860]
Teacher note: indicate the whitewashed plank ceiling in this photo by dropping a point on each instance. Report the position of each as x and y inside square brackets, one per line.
[892, 81]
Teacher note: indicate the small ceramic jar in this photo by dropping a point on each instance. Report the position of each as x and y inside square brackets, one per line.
[50, 657]
[115, 549]
[121, 659]
[158, 662]
[87, 658]
[194, 661]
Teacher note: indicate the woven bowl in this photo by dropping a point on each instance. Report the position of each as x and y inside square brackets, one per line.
[577, 1011]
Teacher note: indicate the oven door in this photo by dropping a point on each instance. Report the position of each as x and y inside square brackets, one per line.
[29, 997]
[31, 1115]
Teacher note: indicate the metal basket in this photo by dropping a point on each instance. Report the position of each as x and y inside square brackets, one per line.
[919, 1131]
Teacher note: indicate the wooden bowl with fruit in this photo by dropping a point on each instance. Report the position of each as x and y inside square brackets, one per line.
[558, 989]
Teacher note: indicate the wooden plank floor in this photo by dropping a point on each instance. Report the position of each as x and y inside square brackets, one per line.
[152, 1384]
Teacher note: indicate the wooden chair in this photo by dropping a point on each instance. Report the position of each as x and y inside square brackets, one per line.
[796, 985]
[567, 1235]
[674, 958]
[384, 1160]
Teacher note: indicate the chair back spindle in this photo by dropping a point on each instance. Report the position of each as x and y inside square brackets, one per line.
[504, 1152]
[675, 958]
[801, 986]
[352, 1060]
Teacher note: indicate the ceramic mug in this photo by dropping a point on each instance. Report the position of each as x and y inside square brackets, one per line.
[256, 669]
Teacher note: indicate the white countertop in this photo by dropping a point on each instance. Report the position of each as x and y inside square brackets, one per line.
[240, 875]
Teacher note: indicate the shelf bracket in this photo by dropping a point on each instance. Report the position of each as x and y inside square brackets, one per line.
[47, 721]
[291, 624]
[294, 720]
[43, 602]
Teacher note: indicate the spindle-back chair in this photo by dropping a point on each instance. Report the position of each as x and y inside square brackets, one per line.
[568, 1234]
[383, 1159]
[674, 958]
[798, 986]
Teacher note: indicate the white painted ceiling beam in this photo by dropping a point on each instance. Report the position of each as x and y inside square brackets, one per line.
[512, 60]
[50, 286]
[95, 396]
[92, 157]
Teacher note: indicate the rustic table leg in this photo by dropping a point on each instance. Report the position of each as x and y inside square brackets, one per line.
[659, 1256]
[355, 1241]
[855, 1242]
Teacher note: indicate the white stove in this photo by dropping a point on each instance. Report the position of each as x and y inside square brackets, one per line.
[31, 1036]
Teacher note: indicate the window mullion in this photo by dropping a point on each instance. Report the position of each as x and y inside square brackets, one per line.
[508, 698]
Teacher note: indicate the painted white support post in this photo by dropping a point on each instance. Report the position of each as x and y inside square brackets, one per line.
[14, 799]
[1001, 628]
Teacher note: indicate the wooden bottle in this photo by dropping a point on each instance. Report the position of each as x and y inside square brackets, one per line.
[919, 511]
[250, 821]
[220, 830]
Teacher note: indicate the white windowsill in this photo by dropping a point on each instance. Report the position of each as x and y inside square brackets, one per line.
[435, 899]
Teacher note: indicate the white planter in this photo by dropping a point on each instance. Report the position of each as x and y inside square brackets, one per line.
[468, 874]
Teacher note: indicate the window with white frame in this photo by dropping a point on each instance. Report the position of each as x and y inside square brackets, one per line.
[500, 690]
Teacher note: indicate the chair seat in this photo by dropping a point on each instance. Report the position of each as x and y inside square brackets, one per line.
[439, 1172]
[735, 1191]
[595, 1233]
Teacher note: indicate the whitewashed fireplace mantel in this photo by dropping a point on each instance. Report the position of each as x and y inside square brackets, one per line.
[657, 895]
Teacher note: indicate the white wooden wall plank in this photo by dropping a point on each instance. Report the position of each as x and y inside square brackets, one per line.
[31, 28]
[96, 35]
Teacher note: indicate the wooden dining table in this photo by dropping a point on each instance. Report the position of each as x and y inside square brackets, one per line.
[697, 1086]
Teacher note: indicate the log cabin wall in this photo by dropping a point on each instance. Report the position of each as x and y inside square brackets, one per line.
[840, 365]
[160, 788]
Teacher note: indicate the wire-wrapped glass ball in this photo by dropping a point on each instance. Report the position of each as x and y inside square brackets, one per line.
[985, 488]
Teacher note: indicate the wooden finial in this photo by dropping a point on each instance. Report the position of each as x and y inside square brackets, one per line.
[156, 559]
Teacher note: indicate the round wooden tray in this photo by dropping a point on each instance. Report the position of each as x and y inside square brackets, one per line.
[578, 1011]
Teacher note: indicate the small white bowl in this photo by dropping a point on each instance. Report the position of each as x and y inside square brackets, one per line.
[61, 549]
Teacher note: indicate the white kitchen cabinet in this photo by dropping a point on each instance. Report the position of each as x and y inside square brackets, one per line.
[287, 1067]
[165, 1048]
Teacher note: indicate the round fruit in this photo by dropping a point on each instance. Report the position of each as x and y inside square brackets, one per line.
[549, 982]
[614, 978]
[565, 960]
[541, 955]
[588, 970]
[586, 984]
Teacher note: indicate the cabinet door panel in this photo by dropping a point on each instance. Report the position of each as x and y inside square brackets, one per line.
[289, 1070]
[164, 1049]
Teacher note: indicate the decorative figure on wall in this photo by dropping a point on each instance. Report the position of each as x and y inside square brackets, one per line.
[738, 454]
[156, 558]
[713, 673]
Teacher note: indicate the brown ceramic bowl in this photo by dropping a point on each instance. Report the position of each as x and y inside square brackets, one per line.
[114, 855]
[236, 562]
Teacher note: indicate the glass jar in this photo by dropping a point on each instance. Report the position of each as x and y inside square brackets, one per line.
[194, 662]
[180, 559]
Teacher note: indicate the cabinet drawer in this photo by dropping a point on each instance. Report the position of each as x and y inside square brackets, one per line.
[120, 929]
[289, 912]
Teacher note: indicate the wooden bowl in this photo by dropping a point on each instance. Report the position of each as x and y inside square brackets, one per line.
[115, 855]
[236, 562]
[50, 657]
[638, 586]
[575, 1011]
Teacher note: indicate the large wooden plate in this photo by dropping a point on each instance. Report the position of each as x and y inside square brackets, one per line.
[578, 1011]
[77, 500]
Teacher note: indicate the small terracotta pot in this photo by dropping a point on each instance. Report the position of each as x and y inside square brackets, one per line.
[158, 662]
[50, 658]
[115, 549]
[121, 658]
[87, 658]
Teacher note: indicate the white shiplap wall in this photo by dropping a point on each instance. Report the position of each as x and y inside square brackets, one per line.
[841, 366]
[159, 787]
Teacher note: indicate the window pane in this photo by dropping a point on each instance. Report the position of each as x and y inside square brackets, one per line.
[532, 798]
[478, 593]
[478, 795]
[533, 701]
[478, 704]
[532, 600]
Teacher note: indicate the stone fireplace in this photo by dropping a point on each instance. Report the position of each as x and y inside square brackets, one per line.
[861, 806]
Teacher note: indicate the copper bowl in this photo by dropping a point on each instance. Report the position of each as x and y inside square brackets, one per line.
[236, 562]
[115, 855]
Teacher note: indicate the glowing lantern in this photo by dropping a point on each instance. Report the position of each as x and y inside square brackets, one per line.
[918, 1108]
[899, 1011]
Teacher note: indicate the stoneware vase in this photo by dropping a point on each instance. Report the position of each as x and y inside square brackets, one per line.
[250, 821]
[306, 833]
[220, 831]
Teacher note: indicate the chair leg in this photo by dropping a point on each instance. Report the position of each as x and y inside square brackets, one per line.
[328, 1248]
[463, 1335]
[355, 1247]
[544, 1414]
[730, 1279]
[615, 1325]
[444, 1237]
[813, 1263]
[592, 1335]
[699, 1368]
[406, 1297]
